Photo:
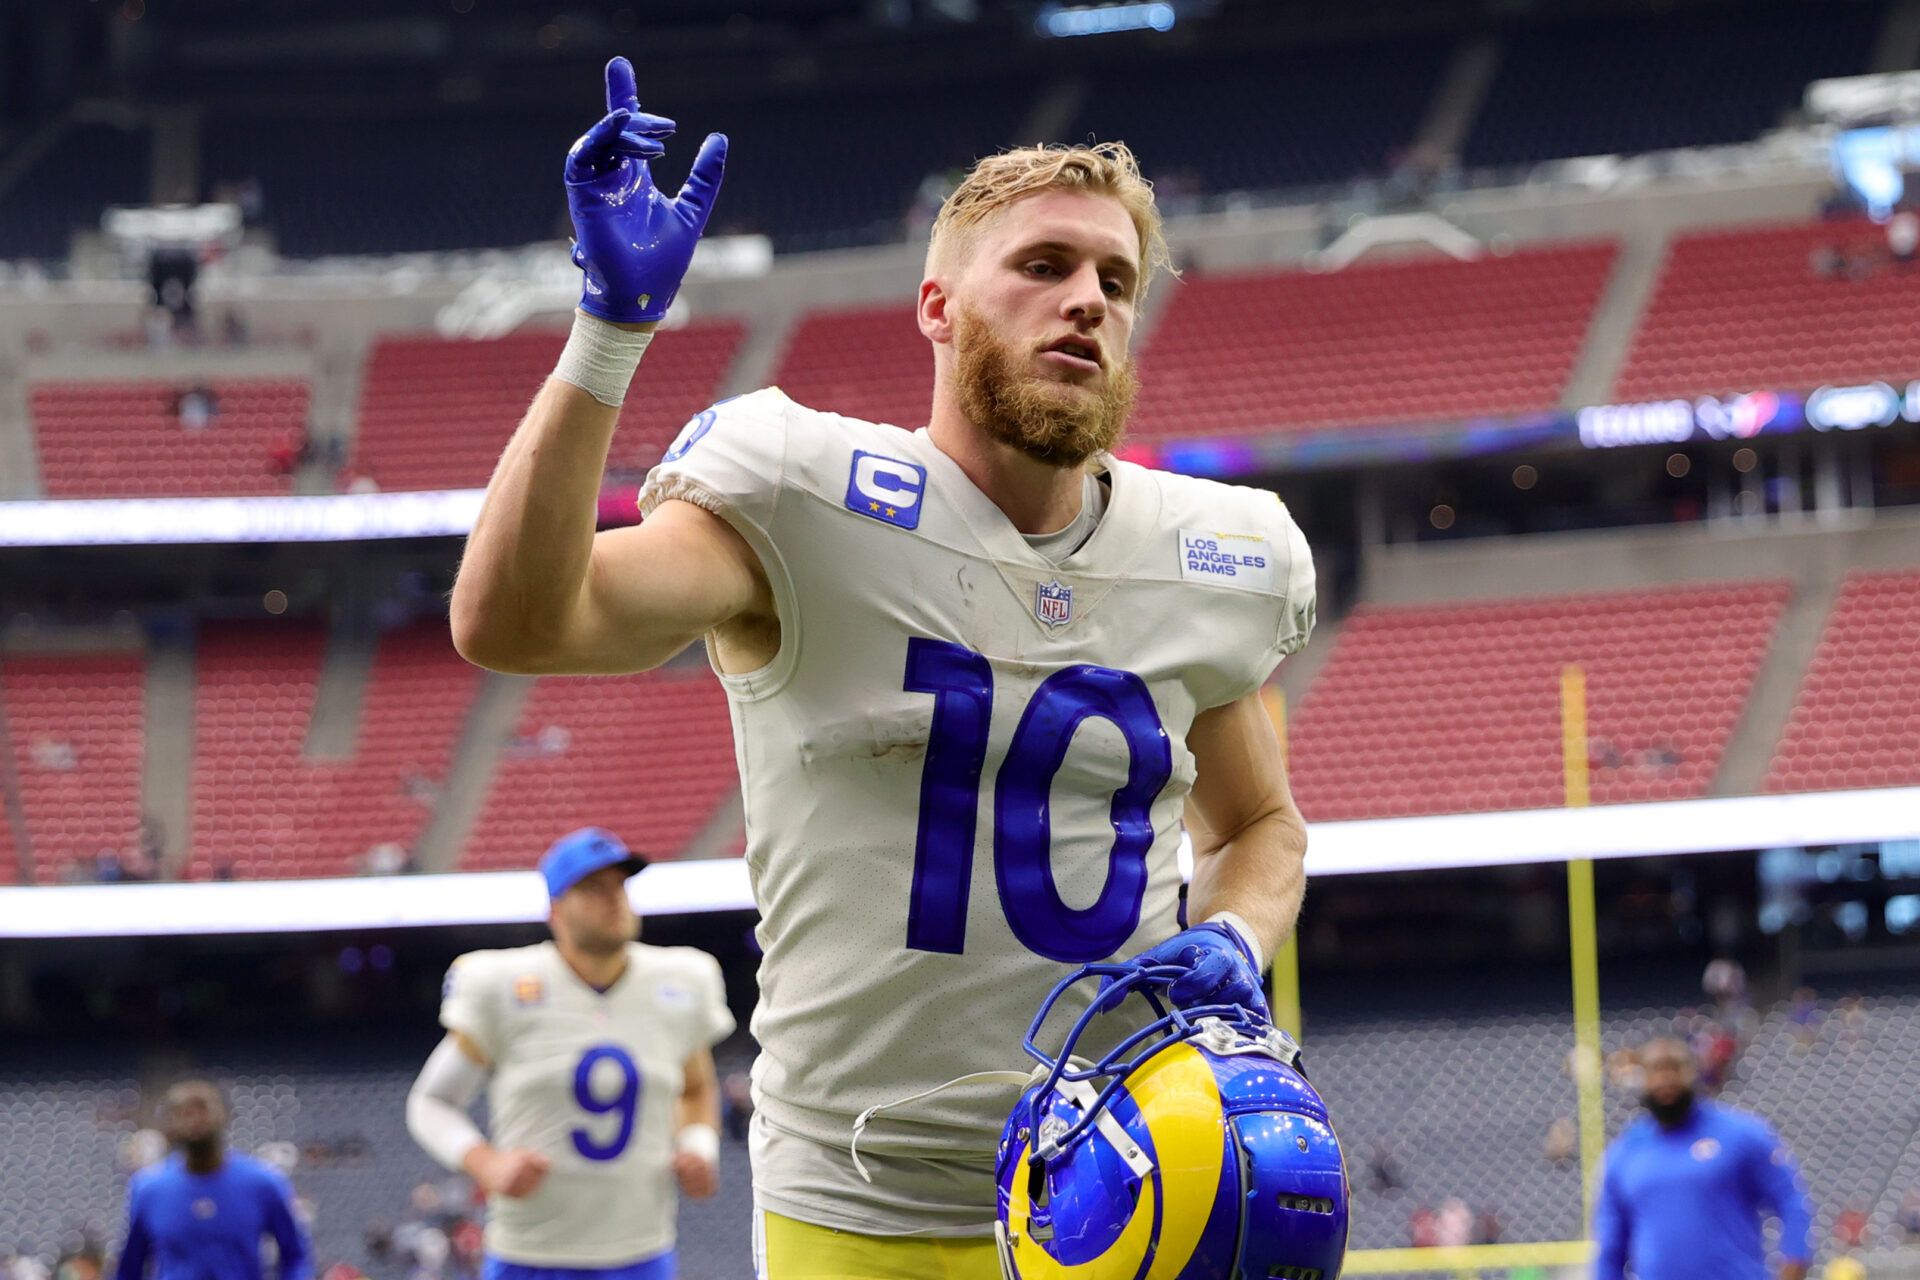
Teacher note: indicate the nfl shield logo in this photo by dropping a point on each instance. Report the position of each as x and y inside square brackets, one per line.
[1053, 603]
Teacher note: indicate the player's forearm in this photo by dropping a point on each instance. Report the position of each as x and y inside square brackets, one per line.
[524, 575]
[698, 1103]
[437, 1107]
[1258, 873]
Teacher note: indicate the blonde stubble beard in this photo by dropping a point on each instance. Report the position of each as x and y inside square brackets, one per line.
[1050, 422]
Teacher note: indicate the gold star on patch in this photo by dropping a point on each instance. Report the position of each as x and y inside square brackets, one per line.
[892, 512]
[873, 506]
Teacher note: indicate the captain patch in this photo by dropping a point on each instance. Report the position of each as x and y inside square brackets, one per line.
[886, 489]
[1231, 559]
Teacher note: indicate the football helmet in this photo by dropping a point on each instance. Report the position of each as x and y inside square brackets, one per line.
[1194, 1150]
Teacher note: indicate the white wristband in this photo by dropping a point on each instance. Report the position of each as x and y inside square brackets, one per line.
[600, 358]
[701, 1140]
[1245, 930]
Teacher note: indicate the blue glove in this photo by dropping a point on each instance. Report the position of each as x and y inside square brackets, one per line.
[1219, 968]
[632, 242]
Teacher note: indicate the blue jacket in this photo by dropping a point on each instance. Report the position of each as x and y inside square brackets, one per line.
[208, 1226]
[1687, 1204]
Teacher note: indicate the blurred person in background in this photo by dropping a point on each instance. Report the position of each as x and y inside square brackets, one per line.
[1686, 1187]
[1908, 1219]
[596, 1051]
[202, 1213]
[1850, 1227]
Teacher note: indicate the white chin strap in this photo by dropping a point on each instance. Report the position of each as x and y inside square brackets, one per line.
[1078, 1091]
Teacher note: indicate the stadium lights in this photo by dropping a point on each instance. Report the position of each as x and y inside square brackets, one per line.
[1445, 842]
[1106, 19]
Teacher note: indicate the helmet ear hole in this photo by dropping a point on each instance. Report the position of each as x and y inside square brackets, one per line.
[1039, 1201]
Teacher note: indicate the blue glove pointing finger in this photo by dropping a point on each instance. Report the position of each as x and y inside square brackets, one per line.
[632, 242]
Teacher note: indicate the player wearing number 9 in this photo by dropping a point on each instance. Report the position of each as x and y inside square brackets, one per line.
[983, 676]
[596, 1053]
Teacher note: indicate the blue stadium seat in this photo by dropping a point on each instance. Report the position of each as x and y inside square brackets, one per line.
[1649, 83]
[1254, 122]
[68, 187]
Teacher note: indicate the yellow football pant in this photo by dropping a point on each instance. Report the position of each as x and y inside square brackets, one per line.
[790, 1250]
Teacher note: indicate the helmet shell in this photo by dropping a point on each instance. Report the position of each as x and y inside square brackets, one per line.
[1231, 1189]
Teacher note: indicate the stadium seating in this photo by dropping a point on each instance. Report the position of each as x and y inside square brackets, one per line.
[67, 187]
[478, 180]
[1347, 108]
[1456, 708]
[1857, 719]
[1427, 340]
[126, 439]
[1745, 310]
[1670, 80]
[435, 413]
[64, 1115]
[870, 363]
[75, 721]
[903, 136]
[1457, 1093]
[648, 756]
[471, 180]
[261, 805]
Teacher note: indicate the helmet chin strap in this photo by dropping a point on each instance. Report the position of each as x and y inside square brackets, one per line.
[1076, 1091]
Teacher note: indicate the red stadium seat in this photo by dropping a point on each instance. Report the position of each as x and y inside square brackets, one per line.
[1431, 340]
[1744, 310]
[1856, 722]
[1456, 708]
[648, 756]
[872, 363]
[435, 412]
[266, 808]
[76, 721]
[123, 439]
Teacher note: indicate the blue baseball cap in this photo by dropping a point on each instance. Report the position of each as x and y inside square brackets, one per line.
[579, 854]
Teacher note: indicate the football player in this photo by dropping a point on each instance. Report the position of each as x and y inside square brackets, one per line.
[596, 1054]
[202, 1213]
[982, 674]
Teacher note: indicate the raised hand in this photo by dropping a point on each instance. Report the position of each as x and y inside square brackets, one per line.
[632, 242]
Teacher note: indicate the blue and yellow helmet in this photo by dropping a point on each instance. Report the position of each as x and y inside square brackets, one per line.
[1205, 1155]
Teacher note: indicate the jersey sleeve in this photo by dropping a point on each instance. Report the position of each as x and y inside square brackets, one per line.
[470, 1002]
[732, 460]
[139, 1243]
[729, 459]
[1273, 619]
[1779, 1187]
[296, 1253]
[1612, 1227]
[1299, 593]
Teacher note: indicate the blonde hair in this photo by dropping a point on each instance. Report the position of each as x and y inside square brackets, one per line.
[997, 181]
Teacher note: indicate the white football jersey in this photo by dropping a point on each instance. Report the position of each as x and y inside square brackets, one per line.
[588, 1078]
[964, 771]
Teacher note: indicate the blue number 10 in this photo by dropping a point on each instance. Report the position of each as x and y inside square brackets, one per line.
[625, 1102]
[961, 682]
